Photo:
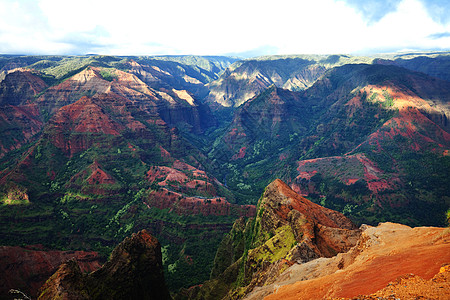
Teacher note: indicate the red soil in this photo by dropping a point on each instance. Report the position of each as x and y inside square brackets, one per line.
[182, 176]
[98, 176]
[411, 121]
[384, 253]
[240, 154]
[372, 174]
[411, 286]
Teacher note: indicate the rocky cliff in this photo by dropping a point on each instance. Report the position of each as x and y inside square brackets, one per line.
[134, 271]
[384, 258]
[93, 148]
[287, 230]
[20, 120]
[99, 156]
[352, 138]
[248, 78]
[27, 268]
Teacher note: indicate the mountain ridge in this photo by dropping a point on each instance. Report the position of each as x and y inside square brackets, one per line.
[96, 147]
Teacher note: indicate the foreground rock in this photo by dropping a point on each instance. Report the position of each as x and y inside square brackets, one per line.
[390, 260]
[134, 271]
[27, 268]
[411, 286]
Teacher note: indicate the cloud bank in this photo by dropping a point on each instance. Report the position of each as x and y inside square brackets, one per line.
[245, 28]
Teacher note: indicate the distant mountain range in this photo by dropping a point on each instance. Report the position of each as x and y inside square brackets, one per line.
[94, 148]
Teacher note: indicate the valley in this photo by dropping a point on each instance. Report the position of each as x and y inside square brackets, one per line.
[203, 151]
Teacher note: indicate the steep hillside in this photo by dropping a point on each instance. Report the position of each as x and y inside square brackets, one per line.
[20, 87]
[433, 64]
[180, 72]
[27, 269]
[350, 141]
[246, 79]
[186, 72]
[19, 119]
[412, 134]
[94, 148]
[134, 271]
[97, 156]
[288, 229]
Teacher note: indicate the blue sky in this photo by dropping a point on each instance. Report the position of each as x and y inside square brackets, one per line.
[233, 27]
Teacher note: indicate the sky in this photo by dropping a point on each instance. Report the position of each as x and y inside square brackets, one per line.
[243, 28]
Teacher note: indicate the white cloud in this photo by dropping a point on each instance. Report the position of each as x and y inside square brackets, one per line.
[408, 27]
[210, 27]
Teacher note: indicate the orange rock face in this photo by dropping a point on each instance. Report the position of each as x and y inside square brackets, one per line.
[290, 200]
[382, 255]
[411, 286]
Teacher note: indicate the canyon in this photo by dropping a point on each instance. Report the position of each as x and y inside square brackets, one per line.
[95, 148]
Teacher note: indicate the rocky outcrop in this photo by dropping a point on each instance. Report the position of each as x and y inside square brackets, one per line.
[291, 229]
[84, 116]
[341, 132]
[267, 116]
[20, 120]
[287, 230]
[87, 82]
[27, 269]
[134, 271]
[185, 205]
[383, 257]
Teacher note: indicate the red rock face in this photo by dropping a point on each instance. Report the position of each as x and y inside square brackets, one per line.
[181, 180]
[98, 176]
[288, 230]
[27, 269]
[288, 200]
[87, 82]
[19, 120]
[183, 205]
[93, 180]
[384, 257]
[19, 123]
[418, 121]
[83, 116]
[191, 179]
[412, 124]
[348, 169]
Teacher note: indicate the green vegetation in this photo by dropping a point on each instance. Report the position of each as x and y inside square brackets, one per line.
[276, 247]
[52, 197]
[108, 74]
[388, 100]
